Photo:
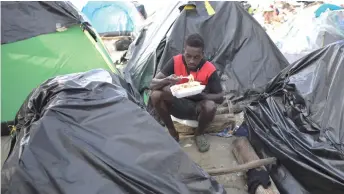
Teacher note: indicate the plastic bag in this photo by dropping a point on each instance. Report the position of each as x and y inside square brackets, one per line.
[84, 133]
[299, 120]
[305, 33]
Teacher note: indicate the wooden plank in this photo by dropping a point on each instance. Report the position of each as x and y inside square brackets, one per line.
[222, 110]
[245, 153]
[113, 37]
[242, 167]
[182, 136]
[219, 123]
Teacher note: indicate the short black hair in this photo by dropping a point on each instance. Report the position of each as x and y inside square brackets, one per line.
[195, 40]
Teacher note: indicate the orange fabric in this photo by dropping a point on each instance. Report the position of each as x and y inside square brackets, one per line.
[202, 75]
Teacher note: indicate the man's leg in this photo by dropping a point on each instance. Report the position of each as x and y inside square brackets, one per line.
[207, 111]
[161, 101]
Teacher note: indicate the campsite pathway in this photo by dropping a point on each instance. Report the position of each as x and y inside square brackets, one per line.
[219, 156]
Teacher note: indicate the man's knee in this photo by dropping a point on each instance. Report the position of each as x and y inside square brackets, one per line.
[208, 106]
[156, 97]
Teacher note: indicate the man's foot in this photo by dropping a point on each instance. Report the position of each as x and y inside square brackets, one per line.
[176, 138]
[175, 135]
[202, 143]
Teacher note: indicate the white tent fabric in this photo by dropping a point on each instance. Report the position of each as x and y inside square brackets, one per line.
[305, 33]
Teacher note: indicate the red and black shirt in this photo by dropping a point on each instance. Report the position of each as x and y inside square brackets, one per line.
[206, 73]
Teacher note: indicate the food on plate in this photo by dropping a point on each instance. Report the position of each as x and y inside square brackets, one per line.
[190, 77]
[191, 83]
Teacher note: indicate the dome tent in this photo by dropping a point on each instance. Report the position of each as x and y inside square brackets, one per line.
[295, 41]
[141, 9]
[40, 40]
[112, 17]
[239, 48]
[299, 120]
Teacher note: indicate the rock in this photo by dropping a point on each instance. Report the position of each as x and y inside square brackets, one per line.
[123, 44]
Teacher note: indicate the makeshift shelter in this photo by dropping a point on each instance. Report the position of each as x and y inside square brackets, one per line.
[295, 40]
[325, 7]
[40, 40]
[141, 9]
[235, 43]
[299, 120]
[113, 18]
[85, 133]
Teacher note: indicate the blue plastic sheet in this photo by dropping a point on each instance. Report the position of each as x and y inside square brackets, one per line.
[112, 16]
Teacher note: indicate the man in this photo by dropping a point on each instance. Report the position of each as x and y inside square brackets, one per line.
[199, 107]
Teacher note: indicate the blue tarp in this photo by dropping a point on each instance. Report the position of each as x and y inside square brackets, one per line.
[325, 7]
[112, 16]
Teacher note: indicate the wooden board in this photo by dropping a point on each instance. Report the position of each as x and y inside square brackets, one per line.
[242, 167]
[219, 123]
[245, 153]
[114, 37]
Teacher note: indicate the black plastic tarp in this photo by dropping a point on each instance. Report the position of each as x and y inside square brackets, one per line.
[83, 133]
[235, 43]
[146, 50]
[26, 19]
[300, 120]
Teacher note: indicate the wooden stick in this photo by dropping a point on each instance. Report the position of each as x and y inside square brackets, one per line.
[219, 123]
[185, 136]
[222, 110]
[245, 153]
[113, 37]
[242, 167]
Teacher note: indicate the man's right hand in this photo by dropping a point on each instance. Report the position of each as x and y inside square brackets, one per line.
[173, 79]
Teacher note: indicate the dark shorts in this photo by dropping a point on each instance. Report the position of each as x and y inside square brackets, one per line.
[183, 108]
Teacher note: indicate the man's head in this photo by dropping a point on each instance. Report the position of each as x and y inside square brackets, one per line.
[193, 51]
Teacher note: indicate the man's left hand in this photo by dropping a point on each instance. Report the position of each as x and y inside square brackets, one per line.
[198, 97]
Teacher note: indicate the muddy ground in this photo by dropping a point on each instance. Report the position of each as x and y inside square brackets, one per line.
[219, 156]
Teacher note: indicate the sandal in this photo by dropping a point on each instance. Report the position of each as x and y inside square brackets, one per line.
[202, 143]
[176, 138]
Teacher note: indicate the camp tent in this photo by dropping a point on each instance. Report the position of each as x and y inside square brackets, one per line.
[296, 41]
[141, 9]
[113, 17]
[40, 40]
[86, 134]
[299, 120]
[235, 43]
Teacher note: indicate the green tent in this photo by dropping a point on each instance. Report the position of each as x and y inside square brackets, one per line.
[40, 40]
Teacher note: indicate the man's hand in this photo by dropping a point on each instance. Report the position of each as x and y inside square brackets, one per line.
[167, 89]
[217, 98]
[173, 79]
[161, 81]
[198, 97]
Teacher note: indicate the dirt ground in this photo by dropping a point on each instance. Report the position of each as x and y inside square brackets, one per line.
[115, 55]
[219, 156]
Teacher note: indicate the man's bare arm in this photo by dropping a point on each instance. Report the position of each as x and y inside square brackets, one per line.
[159, 81]
[217, 98]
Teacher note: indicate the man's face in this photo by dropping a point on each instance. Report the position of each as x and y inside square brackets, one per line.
[193, 57]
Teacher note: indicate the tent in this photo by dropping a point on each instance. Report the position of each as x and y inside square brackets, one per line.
[113, 17]
[85, 133]
[40, 40]
[296, 41]
[299, 120]
[141, 9]
[235, 43]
